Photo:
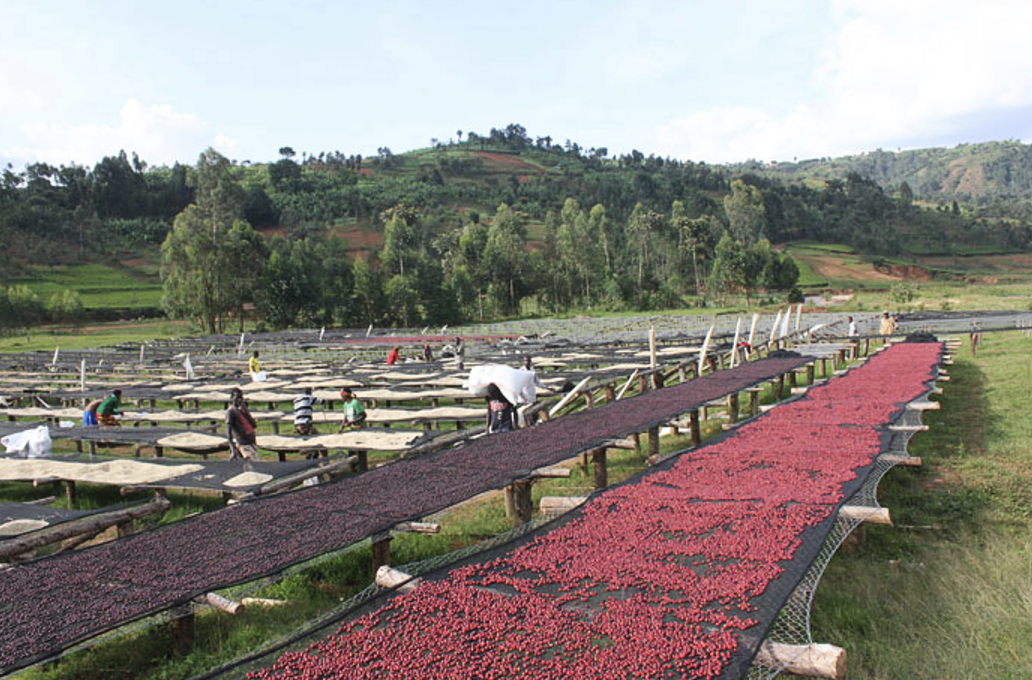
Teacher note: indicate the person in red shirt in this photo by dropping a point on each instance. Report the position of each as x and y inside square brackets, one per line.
[393, 356]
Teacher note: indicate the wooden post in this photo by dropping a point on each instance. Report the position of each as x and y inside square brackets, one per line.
[643, 384]
[732, 408]
[779, 388]
[363, 460]
[754, 401]
[69, 487]
[813, 660]
[381, 550]
[610, 393]
[653, 442]
[693, 424]
[598, 459]
[809, 374]
[523, 505]
[510, 501]
[182, 629]
[792, 380]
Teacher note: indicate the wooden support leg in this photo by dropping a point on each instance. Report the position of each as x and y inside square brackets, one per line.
[182, 629]
[381, 550]
[610, 393]
[510, 501]
[69, 487]
[809, 374]
[523, 505]
[653, 442]
[779, 388]
[363, 460]
[732, 408]
[792, 380]
[643, 384]
[696, 431]
[598, 459]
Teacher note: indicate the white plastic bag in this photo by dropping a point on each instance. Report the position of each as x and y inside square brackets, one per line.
[33, 443]
[515, 384]
[260, 376]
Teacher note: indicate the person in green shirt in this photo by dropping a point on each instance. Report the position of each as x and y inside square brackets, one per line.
[109, 408]
[354, 412]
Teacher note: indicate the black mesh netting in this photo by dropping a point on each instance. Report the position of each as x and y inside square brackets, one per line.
[679, 572]
[53, 603]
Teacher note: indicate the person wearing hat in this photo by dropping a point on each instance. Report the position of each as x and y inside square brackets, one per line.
[240, 428]
[888, 325]
[354, 412]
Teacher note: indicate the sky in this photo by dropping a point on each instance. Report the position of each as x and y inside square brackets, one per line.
[692, 79]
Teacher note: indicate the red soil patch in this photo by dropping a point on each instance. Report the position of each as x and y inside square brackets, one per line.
[365, 171]
[831, 267]
[134, 262]
[505, 162]
[359, 238]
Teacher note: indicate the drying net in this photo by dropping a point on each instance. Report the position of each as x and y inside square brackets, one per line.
[51, 604]
[680, 572]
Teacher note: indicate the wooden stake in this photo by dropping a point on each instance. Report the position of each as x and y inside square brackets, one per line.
[866, 514]
[556, 504]
[388, 577]
[598, 460]
[381, 550]
[813, 660]
[696, 431]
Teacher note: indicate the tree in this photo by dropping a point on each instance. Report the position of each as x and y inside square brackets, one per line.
[746, 213]
[368, 289]
[505, 256]
[196, 267]
[728, 273]
[642, 225]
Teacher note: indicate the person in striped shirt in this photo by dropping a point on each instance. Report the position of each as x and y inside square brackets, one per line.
[303, 412]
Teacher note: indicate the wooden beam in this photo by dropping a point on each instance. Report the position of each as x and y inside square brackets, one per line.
[418, 527]
[867, 514]
[905, 461]
[219, 602]
[93, 524]
[813, 660]
[556, 504]
[388, 577]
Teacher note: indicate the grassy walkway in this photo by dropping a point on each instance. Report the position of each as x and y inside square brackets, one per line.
[947, 593]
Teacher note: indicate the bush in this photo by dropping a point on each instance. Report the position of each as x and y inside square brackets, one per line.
[902, 293]
[795, 295]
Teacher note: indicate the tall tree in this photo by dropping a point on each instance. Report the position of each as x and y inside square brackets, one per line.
[746, 213]
[506, 256]
[196, 264]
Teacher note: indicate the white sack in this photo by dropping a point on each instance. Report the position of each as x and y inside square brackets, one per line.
[515, 384]
[34, 443]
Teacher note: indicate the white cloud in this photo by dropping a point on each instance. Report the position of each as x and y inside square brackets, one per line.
[889, 72]
[157, 132]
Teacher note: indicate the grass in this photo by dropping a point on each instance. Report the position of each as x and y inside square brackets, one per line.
[100, 285]
[47, 338]
[948, 592]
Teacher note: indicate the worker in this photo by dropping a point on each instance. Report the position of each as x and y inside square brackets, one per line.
[888, 325]
[254, 367]
[501, 415]
[109, 408]
[89, 414]
[354, 412]
[393, 356]
[303, 412]
[428, 353]
[460, 353]
[240, 428]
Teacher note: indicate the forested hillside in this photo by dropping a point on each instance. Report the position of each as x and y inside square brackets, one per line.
[989, 179]
[476, 227]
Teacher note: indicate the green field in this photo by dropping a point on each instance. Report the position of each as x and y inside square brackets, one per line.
[101, 286]
[947, 592]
